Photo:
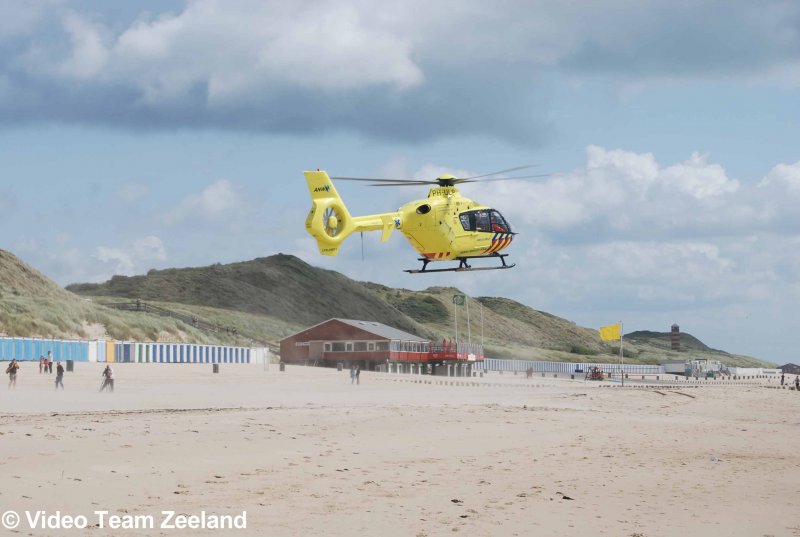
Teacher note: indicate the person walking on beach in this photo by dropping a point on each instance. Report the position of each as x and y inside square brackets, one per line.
[108, 379]
[783, 377]
[797, 383]
[59, 376]
[352, 374]
[49, 363]
[358, 375]
[12, 373]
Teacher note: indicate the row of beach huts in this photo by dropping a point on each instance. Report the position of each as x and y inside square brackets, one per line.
[31, 349]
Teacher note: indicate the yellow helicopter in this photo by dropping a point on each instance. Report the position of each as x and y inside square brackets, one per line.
[445, 226]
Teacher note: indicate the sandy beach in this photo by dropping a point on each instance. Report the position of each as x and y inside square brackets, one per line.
[304, 452]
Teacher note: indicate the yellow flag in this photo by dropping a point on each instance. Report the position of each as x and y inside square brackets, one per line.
[610, 333]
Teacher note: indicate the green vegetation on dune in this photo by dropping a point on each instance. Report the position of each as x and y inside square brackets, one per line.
[269, 298]
[280, 286]
[423, 309]
[31, 305]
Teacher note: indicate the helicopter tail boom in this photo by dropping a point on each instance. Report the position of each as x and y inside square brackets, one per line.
[329, 221]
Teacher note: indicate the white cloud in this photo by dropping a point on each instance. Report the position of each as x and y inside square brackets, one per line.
[149, 248]
[624, 192]
[134, 258]
[427, 69]
[783, 175]
[637, 170]
[698, 178]
[216, 201]
[238, 49]
[89, 56]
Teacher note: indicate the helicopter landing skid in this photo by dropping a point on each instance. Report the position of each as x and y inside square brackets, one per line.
[463, 266]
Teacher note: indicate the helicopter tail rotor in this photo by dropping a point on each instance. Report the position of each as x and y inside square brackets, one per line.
[329, 221]
[332, 222]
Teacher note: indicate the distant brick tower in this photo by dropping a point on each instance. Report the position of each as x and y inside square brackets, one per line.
[675, 337]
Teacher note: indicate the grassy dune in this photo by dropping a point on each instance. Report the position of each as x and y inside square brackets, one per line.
[269, 298]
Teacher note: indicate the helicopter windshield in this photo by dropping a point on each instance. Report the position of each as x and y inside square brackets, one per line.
[484, 220]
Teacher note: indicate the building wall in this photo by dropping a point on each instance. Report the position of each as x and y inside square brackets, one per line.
[332, 330]
[369, 356]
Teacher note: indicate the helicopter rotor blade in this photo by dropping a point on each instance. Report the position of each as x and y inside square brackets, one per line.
[493, 179]
[454, 181]
[399, 181]
[527, 166]
[410, 183]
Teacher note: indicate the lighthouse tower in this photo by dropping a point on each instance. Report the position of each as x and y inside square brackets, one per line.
[675, 337]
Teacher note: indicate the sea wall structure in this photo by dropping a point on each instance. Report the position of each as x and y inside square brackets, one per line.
[495, 364]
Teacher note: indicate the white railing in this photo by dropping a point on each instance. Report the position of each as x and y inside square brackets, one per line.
[495, 364]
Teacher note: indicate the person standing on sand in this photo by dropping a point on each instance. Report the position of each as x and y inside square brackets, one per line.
[59, 375]
[797, 383]
[108, 379]
[358, 375]
[352, 374]
[41, 363]
[49, 363]
[783, 377]
[12, 373]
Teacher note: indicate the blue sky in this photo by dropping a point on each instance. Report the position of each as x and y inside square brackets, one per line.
[173, 134]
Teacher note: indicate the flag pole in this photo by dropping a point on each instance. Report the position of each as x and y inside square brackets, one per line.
[469, 334]
[621, 359]
[455, 314]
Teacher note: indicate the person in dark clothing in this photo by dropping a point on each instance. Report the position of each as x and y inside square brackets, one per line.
[108, 379]
[59, 375]
[12, 373]
[358, 375]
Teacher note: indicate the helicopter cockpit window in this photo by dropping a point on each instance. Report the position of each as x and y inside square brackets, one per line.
[499, 224]
[486, 221]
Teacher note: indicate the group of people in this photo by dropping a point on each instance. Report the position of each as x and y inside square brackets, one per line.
[796, 381]
[47, 364]
[355, 375]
